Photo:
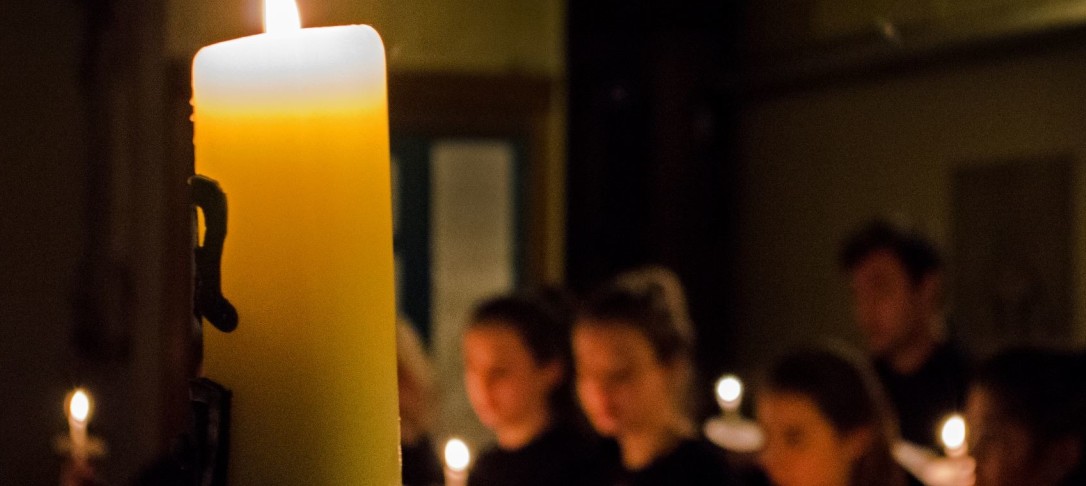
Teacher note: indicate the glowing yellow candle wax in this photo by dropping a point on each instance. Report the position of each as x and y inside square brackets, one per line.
[294, 126]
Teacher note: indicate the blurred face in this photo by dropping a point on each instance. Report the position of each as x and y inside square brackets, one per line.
[621, 384]
[889, 309]
[505, 385]
[802, 448]
[1001, 447]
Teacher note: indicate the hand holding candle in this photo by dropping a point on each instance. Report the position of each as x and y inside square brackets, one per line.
[957, 468]
[457, 459]
[78, 445]
[732, 431]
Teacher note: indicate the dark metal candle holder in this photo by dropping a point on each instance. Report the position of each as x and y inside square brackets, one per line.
[208, 301]
[210, 401]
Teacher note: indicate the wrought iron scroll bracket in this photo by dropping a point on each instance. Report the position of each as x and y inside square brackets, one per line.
[209, 302]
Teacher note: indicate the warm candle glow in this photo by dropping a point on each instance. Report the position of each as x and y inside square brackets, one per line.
[79, 410]
[457, 455]
[79, 406]
[953, 433]
[293, 125]
[729, 388]
[281, 16]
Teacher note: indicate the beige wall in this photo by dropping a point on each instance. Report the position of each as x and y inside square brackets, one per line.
[77, 313]
[818, 163]
[491, 36]
[788, 23]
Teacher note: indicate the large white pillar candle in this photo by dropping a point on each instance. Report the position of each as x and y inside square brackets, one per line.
[293, 124]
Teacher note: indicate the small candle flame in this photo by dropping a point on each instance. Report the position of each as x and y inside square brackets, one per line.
[457, 455]
[729, 388]
[281, 16]
[79, 405]
[953, 433]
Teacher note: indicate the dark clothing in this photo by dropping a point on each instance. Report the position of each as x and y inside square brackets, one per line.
[924, 398]
[560, 456]
[749, 474]
[420, 466]
[693, 462]
[1077, 477]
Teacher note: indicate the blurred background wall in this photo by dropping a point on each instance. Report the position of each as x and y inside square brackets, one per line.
[86, 297]
[948, 114]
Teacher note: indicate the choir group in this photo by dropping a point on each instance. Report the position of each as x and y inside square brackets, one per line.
[598, 391]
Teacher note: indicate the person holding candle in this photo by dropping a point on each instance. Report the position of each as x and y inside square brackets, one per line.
[1026, 415]
[895, 277]
[632, 344]
[517, 374]
[826, 422]
[418, 464]
[77, 469]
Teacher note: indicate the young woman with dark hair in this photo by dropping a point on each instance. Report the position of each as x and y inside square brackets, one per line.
[632, 346]
[827, 422]
[517, 374]
[1026, 413]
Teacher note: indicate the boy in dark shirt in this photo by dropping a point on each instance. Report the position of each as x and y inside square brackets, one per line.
[895, 277]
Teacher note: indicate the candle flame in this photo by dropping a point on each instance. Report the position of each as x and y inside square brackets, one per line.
[79, 405]
[953, 433]
[457, 455]
[281, 16]
[729, 388]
